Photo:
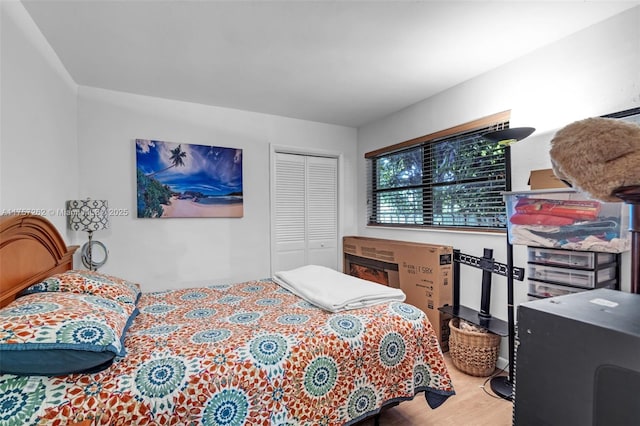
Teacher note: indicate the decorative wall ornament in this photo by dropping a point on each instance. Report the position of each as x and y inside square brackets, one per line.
[187, 180]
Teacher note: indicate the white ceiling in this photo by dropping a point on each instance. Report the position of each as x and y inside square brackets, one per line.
[342, 62]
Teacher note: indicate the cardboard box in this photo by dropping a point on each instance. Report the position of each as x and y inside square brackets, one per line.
[545, 179]
[441, 322]
[423, 271]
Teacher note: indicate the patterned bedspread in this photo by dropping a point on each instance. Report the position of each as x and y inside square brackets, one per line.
[250, 353]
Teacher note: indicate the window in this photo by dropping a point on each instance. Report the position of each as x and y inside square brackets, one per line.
[450, 179]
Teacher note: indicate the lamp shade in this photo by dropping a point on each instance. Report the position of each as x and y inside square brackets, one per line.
[509, 136]
[87, 215]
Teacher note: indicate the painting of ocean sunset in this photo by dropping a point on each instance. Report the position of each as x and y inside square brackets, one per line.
[188, 180]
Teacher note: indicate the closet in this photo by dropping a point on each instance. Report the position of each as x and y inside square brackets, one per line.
[304, 207]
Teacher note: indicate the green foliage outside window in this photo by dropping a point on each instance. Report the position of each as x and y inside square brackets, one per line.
[453, 182]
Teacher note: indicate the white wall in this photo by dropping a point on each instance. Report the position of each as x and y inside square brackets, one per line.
[161, 253]
[590, 73]
[59, 142]
[38, 145]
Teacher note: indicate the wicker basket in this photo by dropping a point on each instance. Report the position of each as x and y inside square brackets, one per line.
[471, 352]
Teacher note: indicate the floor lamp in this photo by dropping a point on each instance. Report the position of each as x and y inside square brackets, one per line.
[631, 196]
[503, 385]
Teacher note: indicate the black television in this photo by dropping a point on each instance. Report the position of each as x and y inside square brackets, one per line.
[578, 360]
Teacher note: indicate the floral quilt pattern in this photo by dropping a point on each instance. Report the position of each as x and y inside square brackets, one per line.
[244, 354]
[89, 282]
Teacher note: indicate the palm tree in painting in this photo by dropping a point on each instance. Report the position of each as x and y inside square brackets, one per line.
[177, 160]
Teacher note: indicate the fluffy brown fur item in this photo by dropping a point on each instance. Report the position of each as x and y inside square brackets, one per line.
[597, 156]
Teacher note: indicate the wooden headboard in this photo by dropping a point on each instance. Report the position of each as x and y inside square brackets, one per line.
[31, 249]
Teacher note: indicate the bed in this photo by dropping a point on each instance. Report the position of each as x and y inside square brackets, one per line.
[242, 353]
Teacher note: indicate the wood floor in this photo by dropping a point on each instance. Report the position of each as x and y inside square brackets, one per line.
[470, 406]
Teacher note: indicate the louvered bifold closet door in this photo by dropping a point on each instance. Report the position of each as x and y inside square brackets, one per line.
[290, 232]
[322, 211]
[305, 211]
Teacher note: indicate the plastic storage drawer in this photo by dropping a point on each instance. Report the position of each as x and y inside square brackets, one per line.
[574, 277]
[550, 290]
[566, 219]
[576, 259]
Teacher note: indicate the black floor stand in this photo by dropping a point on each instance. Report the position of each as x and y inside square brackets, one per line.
[503, 385]
[500, 385]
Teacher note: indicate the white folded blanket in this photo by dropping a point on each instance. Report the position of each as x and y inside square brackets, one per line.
[335, 291]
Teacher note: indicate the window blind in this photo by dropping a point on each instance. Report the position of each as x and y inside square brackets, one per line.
[453, 180]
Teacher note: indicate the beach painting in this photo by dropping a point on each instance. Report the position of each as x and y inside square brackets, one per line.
[188, 180]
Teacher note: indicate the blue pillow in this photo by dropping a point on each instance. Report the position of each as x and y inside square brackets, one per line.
[59, 333]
